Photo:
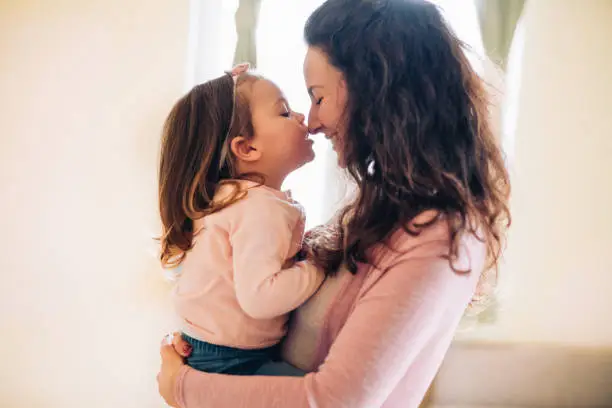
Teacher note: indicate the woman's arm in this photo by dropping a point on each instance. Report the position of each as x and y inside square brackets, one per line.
[389, 328]
[261, 237]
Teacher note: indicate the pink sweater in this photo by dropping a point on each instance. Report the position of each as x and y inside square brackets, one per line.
[381, 341]
[232, 290]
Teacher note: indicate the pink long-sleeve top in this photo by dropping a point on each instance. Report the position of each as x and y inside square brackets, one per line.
[373, 339]
[233, 290]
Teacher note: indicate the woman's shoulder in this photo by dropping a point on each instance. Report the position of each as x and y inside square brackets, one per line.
[423, 259]
[429, 237]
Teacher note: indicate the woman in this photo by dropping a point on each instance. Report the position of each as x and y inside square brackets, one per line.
[406, 114]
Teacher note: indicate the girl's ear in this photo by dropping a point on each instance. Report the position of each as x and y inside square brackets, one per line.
[244, 150]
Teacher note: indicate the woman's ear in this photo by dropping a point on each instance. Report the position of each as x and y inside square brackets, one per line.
[243, 149]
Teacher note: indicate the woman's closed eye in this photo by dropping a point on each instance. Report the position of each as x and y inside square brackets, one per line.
[318, 101]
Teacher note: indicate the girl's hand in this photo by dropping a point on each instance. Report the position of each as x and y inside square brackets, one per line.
[171, 363]
[180, 345]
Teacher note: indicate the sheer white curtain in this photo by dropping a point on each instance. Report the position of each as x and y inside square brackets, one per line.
[211, 41]
[513, 89]
[462, 17]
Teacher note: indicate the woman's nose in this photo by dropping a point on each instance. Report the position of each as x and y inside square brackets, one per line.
[314, 125]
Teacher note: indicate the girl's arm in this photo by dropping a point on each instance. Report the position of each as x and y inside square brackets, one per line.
[261, 236]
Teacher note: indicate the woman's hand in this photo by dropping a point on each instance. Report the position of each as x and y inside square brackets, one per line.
[171, 363]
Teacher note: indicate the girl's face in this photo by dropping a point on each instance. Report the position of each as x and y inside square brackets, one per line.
[328, 98]
[280, 143]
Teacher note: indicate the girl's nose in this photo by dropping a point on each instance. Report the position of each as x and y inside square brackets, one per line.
[300, 117]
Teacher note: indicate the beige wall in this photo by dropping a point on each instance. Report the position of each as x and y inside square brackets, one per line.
[84, 86]
[559, 267]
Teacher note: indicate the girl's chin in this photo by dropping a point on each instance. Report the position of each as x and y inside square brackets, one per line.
[307, 158]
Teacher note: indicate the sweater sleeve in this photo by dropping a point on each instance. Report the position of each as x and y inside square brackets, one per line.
[261, 237]
[390, 328]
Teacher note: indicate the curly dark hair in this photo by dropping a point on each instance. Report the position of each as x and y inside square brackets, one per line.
[419, 135]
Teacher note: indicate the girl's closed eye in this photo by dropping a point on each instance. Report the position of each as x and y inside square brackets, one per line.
[286, 112]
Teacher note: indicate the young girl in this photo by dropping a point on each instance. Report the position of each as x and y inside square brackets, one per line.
[227, 147]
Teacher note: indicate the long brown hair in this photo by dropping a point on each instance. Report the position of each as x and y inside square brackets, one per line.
[193, 163]
[419, 135]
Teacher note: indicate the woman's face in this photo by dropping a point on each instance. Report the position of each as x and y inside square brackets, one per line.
[328, 97]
